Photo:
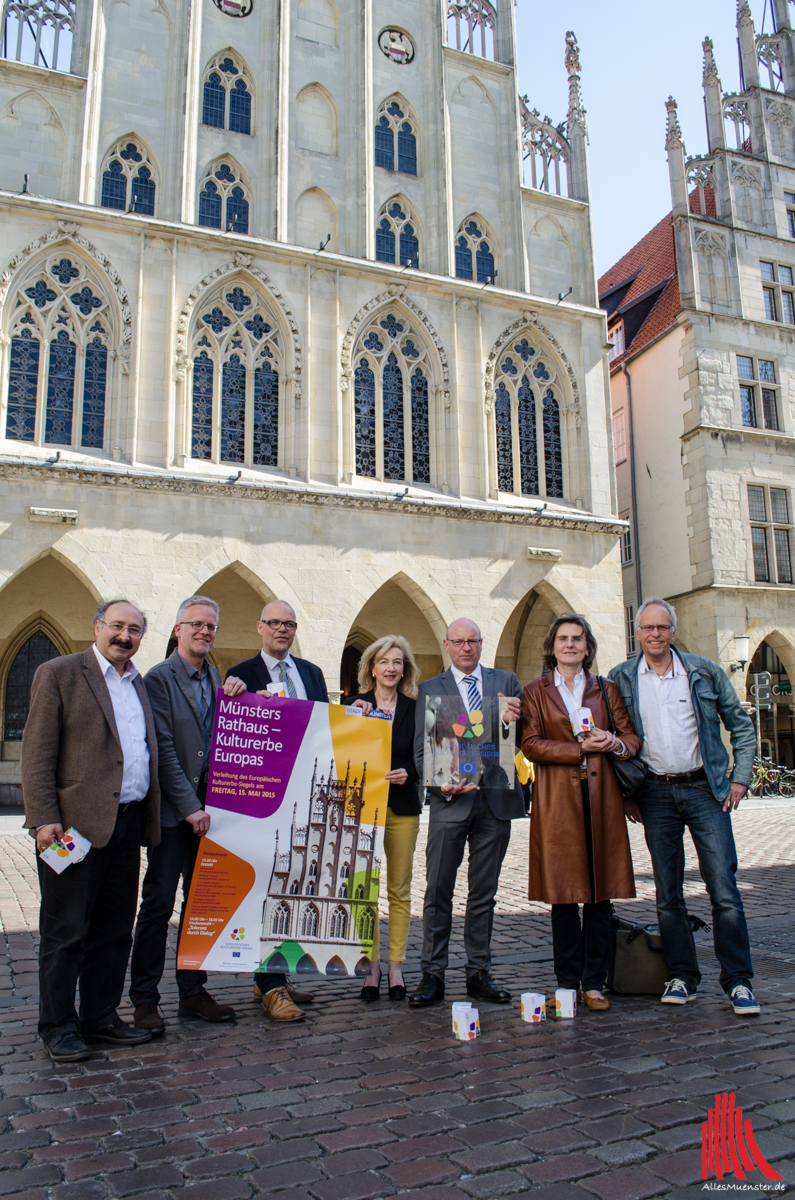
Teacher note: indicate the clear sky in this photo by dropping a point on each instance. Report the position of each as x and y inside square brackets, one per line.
[634, 54]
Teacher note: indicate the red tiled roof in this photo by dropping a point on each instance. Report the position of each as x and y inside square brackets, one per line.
[661, 317]
[653, 258]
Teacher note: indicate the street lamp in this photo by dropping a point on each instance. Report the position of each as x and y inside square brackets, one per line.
[742, 652]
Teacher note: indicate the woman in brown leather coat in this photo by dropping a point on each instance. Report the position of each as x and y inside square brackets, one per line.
[579, 849]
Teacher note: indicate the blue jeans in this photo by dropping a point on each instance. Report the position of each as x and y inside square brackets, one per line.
[667, 808]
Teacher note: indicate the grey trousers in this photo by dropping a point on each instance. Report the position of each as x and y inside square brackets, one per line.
[488, 839]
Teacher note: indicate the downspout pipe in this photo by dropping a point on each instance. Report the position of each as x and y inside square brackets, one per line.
[633, 493]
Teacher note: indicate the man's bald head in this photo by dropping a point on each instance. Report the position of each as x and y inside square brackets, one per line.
[463, 643]
[277, 627]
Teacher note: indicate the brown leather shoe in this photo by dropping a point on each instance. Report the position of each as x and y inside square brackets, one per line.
[147, 1016]
[594, 1003]
[202, 1005]
[295, 995]
[277, 1005]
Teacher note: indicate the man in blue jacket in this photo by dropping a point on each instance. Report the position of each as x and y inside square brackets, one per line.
[271, 672]
[676, 703]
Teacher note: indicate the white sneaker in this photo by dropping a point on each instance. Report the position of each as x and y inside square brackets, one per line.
[677, 992]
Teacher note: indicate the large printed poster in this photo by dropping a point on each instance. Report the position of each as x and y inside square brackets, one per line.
[288, 875]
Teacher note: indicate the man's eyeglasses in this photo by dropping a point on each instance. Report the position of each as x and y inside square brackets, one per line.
[651, 628]
[135, 631]
[288, 625]
[464, 641]
[198, 626]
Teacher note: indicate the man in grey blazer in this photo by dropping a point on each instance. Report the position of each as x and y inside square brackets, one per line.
[466, 813]
[182, 692]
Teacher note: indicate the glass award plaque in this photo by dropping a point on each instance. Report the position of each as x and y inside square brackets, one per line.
[475, 747]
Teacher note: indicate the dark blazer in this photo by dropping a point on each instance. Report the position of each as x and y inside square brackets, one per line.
[404, 798]
[256, 676]
[72, 762]
[505, 803]
[180, 737]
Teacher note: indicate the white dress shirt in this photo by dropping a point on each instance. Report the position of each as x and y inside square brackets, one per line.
[573, 699]
[292, 670]
[130, 726]
[670, 734]
[463, 690]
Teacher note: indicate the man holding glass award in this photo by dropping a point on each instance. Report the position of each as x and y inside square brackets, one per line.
[464, 747]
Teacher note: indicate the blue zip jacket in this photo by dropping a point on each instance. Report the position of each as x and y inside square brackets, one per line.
[714, 700]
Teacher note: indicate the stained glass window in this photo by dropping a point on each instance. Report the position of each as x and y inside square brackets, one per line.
[463, 259]
[60, 391]
[384, 243]
[114, 186]
[309, 921]
[420, 428]
[528, 450]
[94, 386]
[407, 150]
[266, 416]
[214, 106]
[384, 145]
[502, 418]
[23, 380]
[338, 924]
[396, 228]
[364, 405]
[202, 423]
[237, 211]
[485, 263]
[471, 245]
[392, 122]
[409, 246]
[553, 458]
[223, 194]
[143, 193]
[37, 649]
[394, 452]
[210, 206]
[240, 108]
[233, 410]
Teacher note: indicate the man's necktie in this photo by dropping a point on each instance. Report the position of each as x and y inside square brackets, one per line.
[284, 677]
[473, 693]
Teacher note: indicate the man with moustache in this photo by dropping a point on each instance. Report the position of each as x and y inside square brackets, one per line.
[466, 813]
[89, 762]
[273, 671]
[182, 691]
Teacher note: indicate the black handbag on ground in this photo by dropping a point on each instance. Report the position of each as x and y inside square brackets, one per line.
[630, 772]
[636, 964]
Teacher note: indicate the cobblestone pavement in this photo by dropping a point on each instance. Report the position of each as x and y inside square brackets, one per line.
[367, 1101]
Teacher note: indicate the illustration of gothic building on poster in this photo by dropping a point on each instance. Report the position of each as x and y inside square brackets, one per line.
[322, 901]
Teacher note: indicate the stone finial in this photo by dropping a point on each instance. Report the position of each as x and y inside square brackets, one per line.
[710, 74]
[744, 16]
[673, 132]
[576, 113]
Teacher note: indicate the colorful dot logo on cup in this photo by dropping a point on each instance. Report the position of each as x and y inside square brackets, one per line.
[475, 719]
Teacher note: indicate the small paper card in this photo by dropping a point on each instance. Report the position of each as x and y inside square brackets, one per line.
[534, 1007]
[565, 1004]
[466, 1022]
[72, 848]
[582, 721]
[476, 747]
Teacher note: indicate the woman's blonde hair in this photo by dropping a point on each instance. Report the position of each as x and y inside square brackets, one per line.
[391, 641]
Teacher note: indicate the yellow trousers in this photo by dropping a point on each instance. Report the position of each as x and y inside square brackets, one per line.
[400, 838]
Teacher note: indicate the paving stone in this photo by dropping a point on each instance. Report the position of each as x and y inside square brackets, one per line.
[564, 1167]
[352, 1187]
[271, 1179]
[622, 1154]
[421, 1171]
[496, 1183]
[612, 1129]
[350, 1161]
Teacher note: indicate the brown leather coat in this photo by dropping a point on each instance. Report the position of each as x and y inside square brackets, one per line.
[558, 855]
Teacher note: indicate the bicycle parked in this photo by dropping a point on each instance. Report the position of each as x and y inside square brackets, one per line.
[770, 779]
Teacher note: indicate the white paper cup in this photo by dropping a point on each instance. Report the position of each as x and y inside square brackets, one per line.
[565, 1003]
[534, 1007]
[466, 1022]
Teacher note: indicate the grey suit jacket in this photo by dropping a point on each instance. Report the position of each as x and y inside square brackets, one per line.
[180, 737]
[505, 803]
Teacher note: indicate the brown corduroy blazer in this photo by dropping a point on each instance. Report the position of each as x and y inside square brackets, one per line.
[72, 761]
[558, 856]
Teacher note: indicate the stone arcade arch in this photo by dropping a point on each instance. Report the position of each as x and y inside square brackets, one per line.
[241, 598]
[519, 647]
[776, 654]
[399, 606]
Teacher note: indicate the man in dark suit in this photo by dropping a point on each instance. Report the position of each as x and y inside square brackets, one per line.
[182, 691]
[466, 812]
[274, 671]
[89, 762]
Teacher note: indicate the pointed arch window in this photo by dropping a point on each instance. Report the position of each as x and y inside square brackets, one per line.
[396, 229]
[128, 179]
[310, 919]
[36, 650]
[280, 925]
[391, 401]
[226, 95]
[338, 925]
[526, 403]
[367, 925]
[224, 199]
[237, 369]
[395, 124]
[295, 888]
[58, 361]
[474, 253]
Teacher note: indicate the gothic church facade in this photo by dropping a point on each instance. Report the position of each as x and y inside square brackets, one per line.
[294, 302]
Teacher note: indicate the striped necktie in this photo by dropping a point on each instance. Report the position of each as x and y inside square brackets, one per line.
[473, 693]
[284, 677]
